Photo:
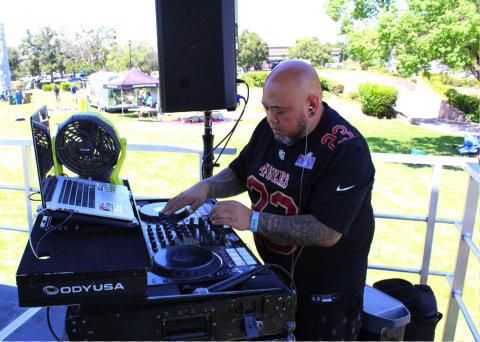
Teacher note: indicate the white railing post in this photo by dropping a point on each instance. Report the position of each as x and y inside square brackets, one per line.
[468, 222]
[27, 177]
[432, 216]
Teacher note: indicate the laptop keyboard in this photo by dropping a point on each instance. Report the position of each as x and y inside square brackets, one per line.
[78, 194]
[50, 186]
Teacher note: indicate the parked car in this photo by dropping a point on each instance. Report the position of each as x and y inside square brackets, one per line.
[30, 78]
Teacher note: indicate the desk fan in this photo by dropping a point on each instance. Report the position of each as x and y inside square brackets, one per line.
[89, 145]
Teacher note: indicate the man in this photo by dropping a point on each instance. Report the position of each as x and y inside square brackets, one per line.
[74, 93]
[57, 93]
[309, 175]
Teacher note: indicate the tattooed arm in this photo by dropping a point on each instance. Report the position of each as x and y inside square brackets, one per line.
[294, 230]
[297, 230]
[223, 184]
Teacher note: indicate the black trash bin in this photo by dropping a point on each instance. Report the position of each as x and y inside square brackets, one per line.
[384, 318]
[11, 99]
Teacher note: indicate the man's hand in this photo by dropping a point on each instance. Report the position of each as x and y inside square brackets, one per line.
[194, 197]
[231, 213]
[223, 184]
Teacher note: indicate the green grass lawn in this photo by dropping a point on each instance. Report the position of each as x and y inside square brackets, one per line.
[399, 189]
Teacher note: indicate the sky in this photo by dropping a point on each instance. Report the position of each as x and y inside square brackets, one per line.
[277, 22]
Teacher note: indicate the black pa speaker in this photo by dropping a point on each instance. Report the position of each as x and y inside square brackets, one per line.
[196, 54]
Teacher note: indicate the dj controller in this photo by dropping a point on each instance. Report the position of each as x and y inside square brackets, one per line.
[187, 248]
[174, 277]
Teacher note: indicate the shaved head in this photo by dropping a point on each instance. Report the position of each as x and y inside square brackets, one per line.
[292, 97]
[298, 76]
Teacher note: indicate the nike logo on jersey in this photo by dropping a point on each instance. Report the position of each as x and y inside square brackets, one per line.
[344, 189]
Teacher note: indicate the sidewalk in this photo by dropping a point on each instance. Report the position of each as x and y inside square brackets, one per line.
[446, 126]
[422, 106]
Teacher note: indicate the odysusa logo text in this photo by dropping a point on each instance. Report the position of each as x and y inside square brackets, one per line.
[53, 290]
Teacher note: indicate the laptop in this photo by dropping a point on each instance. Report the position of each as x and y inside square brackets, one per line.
[87, 200]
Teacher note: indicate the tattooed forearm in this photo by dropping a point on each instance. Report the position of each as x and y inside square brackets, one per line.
[224, 184]
[297, 230]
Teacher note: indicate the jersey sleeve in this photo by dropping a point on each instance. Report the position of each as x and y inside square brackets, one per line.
[344, 188]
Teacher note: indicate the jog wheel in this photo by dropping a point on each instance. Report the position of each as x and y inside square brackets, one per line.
[151, 213]
[185, 262]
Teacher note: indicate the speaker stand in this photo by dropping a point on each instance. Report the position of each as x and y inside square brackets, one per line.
[207, 165]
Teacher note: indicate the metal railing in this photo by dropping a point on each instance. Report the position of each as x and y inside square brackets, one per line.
[465, 225]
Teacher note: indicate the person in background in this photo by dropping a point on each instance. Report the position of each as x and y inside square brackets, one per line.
[74, 93]
[57, 93]
[148, 99]
[140, 100]
[309, 176]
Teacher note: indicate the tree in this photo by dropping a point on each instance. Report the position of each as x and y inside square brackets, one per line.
[144, 57]
[43, 51]
[252, 50]
[363, 44]
[416, 32]
[310, 49]
[92, 47]
[14, 63]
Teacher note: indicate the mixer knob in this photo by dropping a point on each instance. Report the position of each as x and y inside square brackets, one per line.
[163, 243]
[197, 233]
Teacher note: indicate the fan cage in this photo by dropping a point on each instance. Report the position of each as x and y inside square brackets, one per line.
[88, 146]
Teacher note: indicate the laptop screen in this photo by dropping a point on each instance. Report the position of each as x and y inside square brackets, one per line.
[42, 145]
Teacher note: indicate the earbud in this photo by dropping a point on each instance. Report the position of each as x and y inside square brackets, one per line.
[311, 112]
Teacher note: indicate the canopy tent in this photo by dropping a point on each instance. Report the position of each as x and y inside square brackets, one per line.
[134, 78]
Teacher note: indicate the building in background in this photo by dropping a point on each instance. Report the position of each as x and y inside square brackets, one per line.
[276, 54]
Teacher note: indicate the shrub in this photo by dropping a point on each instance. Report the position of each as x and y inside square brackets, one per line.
[47, 87]
[467, 104]
[448, 80]
[353, 95]
[255, 79]
[65, 86]
[331, 86]
[378, 100]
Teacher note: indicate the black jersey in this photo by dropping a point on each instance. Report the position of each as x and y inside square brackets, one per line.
[329, 175]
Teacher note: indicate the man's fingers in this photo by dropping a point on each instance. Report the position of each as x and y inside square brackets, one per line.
[172, 206]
